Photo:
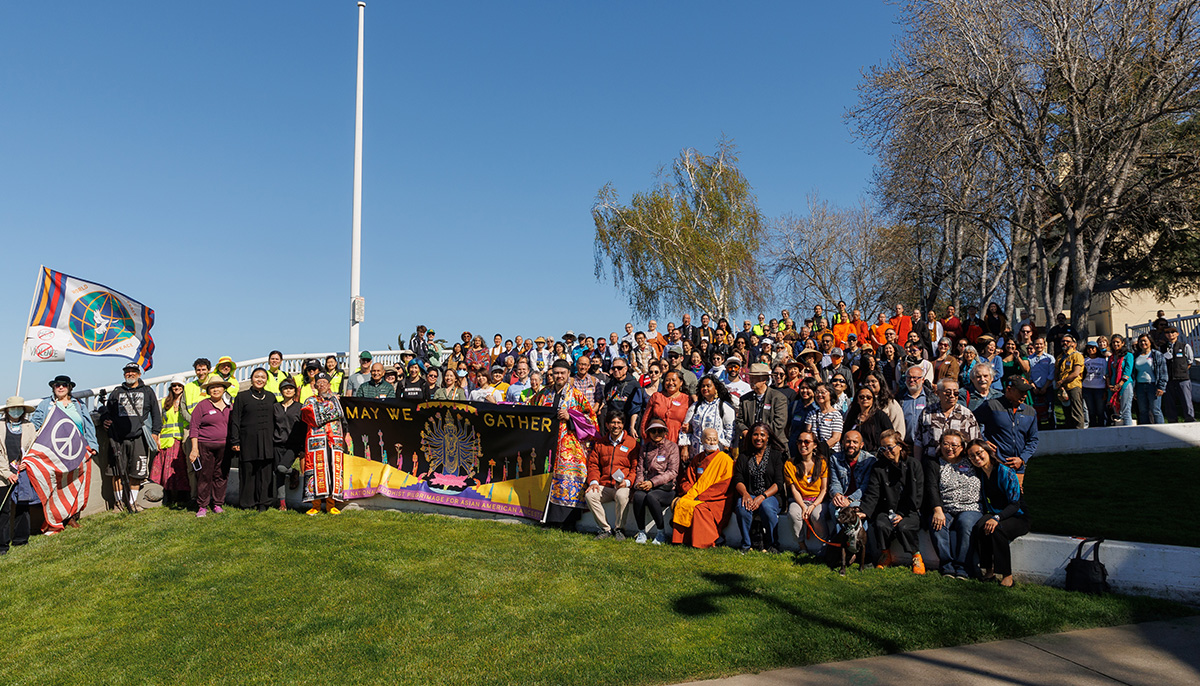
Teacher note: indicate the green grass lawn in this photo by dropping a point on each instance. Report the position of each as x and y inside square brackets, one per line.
[1124, 496]
[385, 597]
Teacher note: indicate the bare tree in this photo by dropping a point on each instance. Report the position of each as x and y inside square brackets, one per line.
[1065, 96]
[831, 254]
[689, 244]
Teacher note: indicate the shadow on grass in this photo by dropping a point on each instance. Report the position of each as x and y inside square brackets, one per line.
[733, 586]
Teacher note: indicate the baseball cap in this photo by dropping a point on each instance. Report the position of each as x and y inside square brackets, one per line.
[364, 355]
[1019, 383]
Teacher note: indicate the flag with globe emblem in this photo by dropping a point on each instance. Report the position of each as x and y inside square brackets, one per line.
[88, 318]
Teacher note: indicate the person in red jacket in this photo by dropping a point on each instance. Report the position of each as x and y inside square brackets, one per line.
[611, 469]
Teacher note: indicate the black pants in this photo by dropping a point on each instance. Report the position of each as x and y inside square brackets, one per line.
[882, 532]
[994, 547]
[256, 482]
[656, 500]
[14, 520]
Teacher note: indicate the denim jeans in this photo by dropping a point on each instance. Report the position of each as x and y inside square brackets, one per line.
[1126, 399]
[953, 542]
[1096, 401]
[1149, 403]
[770, 512]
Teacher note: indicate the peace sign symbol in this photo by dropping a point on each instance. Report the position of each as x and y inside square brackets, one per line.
[67, 449]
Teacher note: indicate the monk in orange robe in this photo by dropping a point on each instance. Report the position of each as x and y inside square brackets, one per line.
[701, 511]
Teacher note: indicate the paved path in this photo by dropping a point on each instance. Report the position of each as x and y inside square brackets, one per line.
[1155, 653]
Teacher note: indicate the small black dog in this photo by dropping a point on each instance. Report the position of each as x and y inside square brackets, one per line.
[851, 538]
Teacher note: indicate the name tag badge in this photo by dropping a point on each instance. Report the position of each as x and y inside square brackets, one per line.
[660, 458]
[675, 403]
[212, 411]
[624, 449]
[699, 470]
[766, 407]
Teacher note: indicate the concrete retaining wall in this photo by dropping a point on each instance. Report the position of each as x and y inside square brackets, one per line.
[1111, 439]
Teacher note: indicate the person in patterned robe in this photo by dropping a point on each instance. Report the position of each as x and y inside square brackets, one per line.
[568, 479]
[323, 448]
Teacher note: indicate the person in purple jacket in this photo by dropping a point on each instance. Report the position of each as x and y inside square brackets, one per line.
[210, 439]
[654, 485]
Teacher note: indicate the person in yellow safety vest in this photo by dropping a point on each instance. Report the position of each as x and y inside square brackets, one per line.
[171, 465]
[194, 391]
[336, 375]
[306, 381]
[275, 375]
[224, 372]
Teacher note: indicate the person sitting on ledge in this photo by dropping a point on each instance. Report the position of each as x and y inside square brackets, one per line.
[1004, 515]
[701, 508]
[892, 503]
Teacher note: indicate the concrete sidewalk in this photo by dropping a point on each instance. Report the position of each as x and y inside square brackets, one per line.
[1152, 653]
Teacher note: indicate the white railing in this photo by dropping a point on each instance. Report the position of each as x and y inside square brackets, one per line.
[291, 364]
[1188, 325]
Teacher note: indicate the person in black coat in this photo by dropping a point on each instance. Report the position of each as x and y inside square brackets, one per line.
[865, 417]
[763, 404]
[758, 483]
[251, 433]
[288, 438]
[892, 503]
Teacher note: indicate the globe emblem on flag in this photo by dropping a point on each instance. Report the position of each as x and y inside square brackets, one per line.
[99, 321]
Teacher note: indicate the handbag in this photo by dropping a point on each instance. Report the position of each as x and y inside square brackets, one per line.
[1087, 576]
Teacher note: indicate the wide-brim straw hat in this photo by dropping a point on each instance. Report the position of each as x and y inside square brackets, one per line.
[215, 380]
[18, 401]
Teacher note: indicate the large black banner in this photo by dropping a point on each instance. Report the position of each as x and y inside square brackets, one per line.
[479, 456]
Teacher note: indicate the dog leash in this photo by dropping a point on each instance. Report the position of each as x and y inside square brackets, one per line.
[814, 533]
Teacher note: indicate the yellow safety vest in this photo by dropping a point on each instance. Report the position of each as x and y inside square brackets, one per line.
[173, 425]
[273, 381]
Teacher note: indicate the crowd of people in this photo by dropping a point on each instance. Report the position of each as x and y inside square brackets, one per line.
[913, 422]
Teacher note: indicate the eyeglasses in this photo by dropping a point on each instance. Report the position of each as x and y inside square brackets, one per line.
[842, 381]
[886, 448]
[60, 384]
[953, 446]
[805, 441]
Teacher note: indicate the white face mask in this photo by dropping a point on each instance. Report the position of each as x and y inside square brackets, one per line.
[16, 413]
[711, 447]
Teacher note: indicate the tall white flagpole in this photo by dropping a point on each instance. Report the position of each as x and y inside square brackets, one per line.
[25, 329]
[356, 301]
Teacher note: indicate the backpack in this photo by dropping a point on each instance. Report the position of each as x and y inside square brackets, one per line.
[1087, 576]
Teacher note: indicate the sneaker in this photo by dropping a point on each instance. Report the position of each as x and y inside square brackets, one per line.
[619, 535]
[218, 509]
[659, 538]
[603, 535]
[314, 511]
[202, 512]
[886, 559]
[918, 565]
[640, 537]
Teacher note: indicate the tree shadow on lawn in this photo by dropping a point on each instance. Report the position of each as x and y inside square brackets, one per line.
[733, 586]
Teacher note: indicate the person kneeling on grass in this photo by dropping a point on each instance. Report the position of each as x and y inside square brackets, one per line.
[892, 503]
[1004, 515]
[611, 468]
[654, 487]
[323, 449]
[701, 509]
[758, 480]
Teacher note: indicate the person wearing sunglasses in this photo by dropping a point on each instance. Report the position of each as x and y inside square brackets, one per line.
[61, 388]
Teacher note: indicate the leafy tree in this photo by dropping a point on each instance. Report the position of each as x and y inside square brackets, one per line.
[690, 244]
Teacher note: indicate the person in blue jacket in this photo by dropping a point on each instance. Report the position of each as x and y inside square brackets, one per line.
[849, 472]
[1010, 425]
[61, 387]
[1004, 515]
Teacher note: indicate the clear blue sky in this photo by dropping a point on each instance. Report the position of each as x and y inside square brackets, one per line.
[198, 156]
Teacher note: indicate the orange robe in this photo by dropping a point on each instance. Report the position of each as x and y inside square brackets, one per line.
[842, 331]
[879, 333]
[902, 325]
[702, 508]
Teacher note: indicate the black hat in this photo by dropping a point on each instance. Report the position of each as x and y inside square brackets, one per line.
[1019, 383]
[561, 364]
[322, 375]
[62, 379]
[132, 366]
[287, 383]
[312, 364]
